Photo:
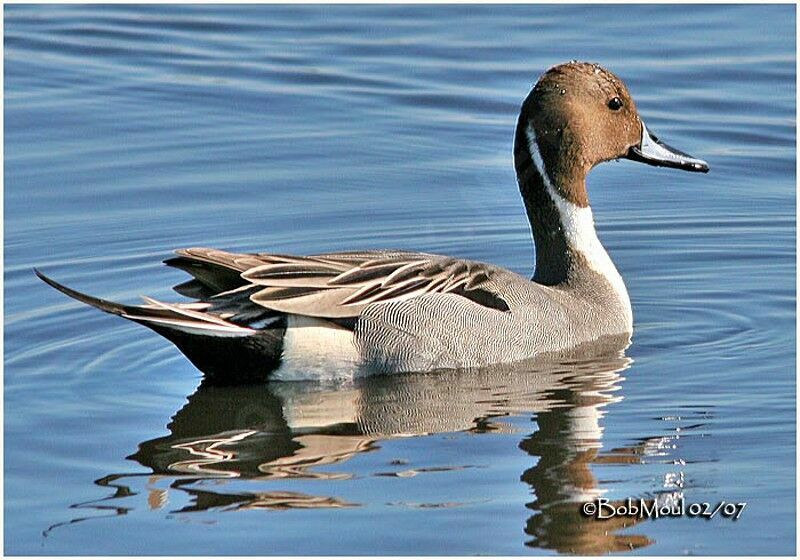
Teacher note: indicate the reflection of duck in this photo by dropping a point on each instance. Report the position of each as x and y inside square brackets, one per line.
[398, 311]
[270, 435]
[567, 442]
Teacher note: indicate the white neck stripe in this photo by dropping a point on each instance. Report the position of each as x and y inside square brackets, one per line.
[578, 225]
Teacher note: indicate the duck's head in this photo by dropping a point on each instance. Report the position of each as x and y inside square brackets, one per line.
[580, 114]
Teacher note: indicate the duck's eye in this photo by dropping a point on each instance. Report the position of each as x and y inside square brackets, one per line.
[615, 104]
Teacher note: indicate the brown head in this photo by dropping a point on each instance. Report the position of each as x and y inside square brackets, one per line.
[579, 115]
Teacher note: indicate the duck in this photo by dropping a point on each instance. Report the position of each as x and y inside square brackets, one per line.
[258, 316]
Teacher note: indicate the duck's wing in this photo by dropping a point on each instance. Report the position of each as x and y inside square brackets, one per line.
[217, 271]
[341, 285]
[334, 285]
[213, 271]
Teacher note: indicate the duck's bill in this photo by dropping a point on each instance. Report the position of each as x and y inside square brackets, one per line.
[654, 152]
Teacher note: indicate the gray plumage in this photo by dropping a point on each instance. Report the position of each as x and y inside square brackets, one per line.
[408, 311]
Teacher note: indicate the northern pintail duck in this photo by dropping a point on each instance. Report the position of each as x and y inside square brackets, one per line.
[391, 311]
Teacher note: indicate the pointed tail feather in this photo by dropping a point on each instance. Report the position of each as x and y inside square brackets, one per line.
[225, 352]
[157, 314]
[105, 305]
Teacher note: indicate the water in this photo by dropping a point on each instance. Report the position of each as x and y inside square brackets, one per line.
[130, 131]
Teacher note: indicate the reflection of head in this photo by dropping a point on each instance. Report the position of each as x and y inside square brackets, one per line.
[567, 442]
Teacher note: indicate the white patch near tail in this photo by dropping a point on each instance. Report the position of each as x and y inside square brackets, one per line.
[578, 225]
[316, 349]
[315, 409]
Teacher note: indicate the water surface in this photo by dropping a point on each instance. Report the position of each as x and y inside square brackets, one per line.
[130, 131]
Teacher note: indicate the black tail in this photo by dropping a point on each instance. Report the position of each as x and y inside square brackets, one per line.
[225, 352]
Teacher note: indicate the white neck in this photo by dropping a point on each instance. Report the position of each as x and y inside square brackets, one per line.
[578, 226]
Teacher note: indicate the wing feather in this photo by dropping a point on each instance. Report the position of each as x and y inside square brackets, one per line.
[334, 285]
[312, 303]
[342, 285]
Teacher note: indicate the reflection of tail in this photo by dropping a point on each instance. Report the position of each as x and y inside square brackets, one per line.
[225, 351]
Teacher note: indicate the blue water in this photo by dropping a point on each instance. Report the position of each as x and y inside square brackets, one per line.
[130, 131]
